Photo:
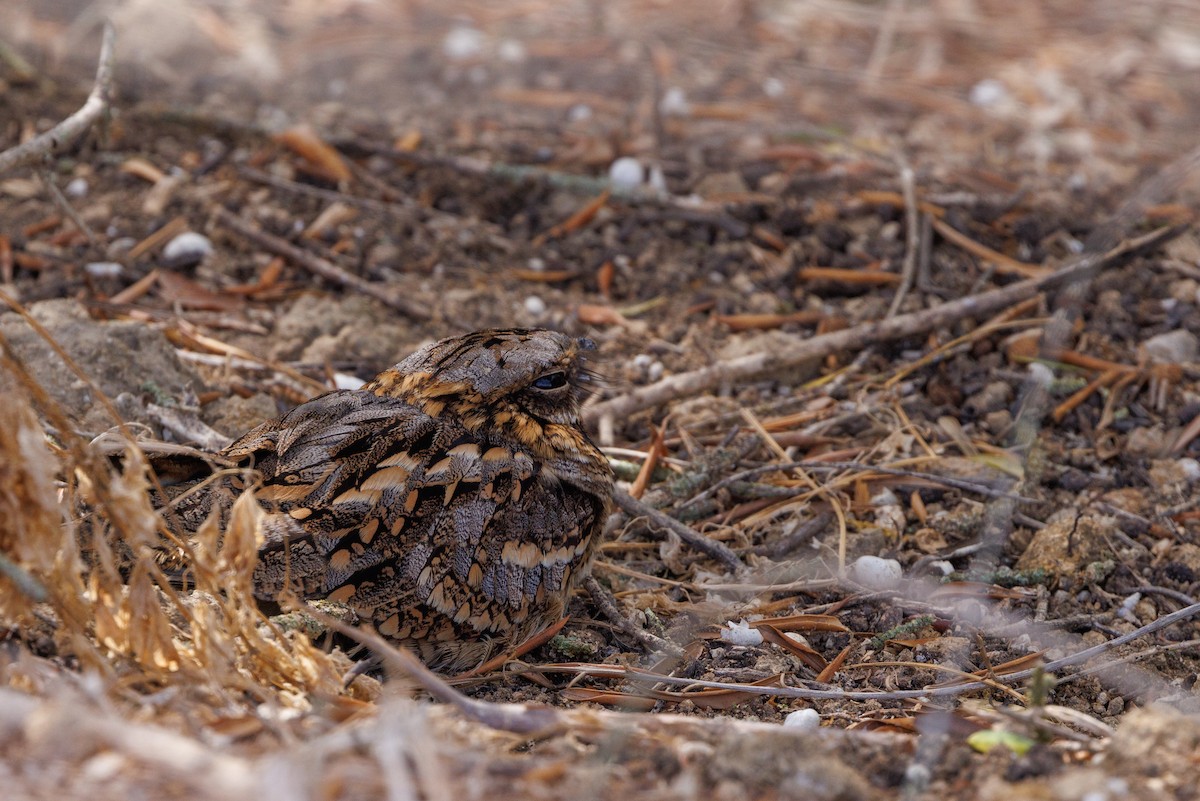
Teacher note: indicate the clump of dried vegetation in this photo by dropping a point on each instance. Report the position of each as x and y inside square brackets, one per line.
[102, 634]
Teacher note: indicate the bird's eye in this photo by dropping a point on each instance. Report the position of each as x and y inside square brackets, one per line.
[551, 381]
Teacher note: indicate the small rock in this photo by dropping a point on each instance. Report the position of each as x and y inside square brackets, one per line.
[876, 572]
[463, 43]
[512, 51]
[995, 396]
[626, 173]
[952, 651]
[580, 112]
[803, 720]
[738, 632]
[1174, 347]
[674, 103]
[103, 269]
[76, 188]
[535, 306]
[998, 422]
[119, 246]
[1068, 543]
[1190, 468]
[187, 249]
[988, 92]
[1146, 441]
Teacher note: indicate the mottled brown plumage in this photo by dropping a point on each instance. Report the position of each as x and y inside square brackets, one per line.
[454, 501]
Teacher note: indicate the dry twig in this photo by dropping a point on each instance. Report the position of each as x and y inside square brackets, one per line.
[905, 325]
[72, 127]
[717, 550]
[322, 267]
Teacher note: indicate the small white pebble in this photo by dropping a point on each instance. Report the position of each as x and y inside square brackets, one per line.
[739, 633]
[104, 767]
[119, 246]
[772, 87]
[1190, 468]
[1041, 373]
[579, 112]
[538, 265]
[795, 637]
[626, 173]
[884, 497]
[988, 92]
[103, 269]
[655, 372]
[187, 248]
[76, 187]
[1127, 607]
[535, 306]
[877, 573]
[803, 720]
[512, 51]
[347, 381]
[463, 43]
[643, 361]
[674, 103]
[942, 566]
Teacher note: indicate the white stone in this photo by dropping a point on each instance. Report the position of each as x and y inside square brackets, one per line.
[463, 43]
[626, 173]
[187, 248]
[674, 103]
[739, 633]
[535, 306]
[1190, 468]
[103, 269]
[988, 92]
[511, 51]
[877, 573]
[803, 720]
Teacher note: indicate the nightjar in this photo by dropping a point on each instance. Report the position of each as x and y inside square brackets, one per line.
[454, 501]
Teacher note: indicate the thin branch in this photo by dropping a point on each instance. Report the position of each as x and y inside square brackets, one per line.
[632, 674]
[912, 239]
[717, 550]
[608, 605]
[819, 466]
[72, 127]
[391, 296]
[905, 325]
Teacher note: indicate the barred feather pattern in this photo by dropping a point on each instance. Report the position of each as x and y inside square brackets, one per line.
[454, 501]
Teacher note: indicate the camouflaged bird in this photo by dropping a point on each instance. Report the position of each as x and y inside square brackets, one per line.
[454, 501]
